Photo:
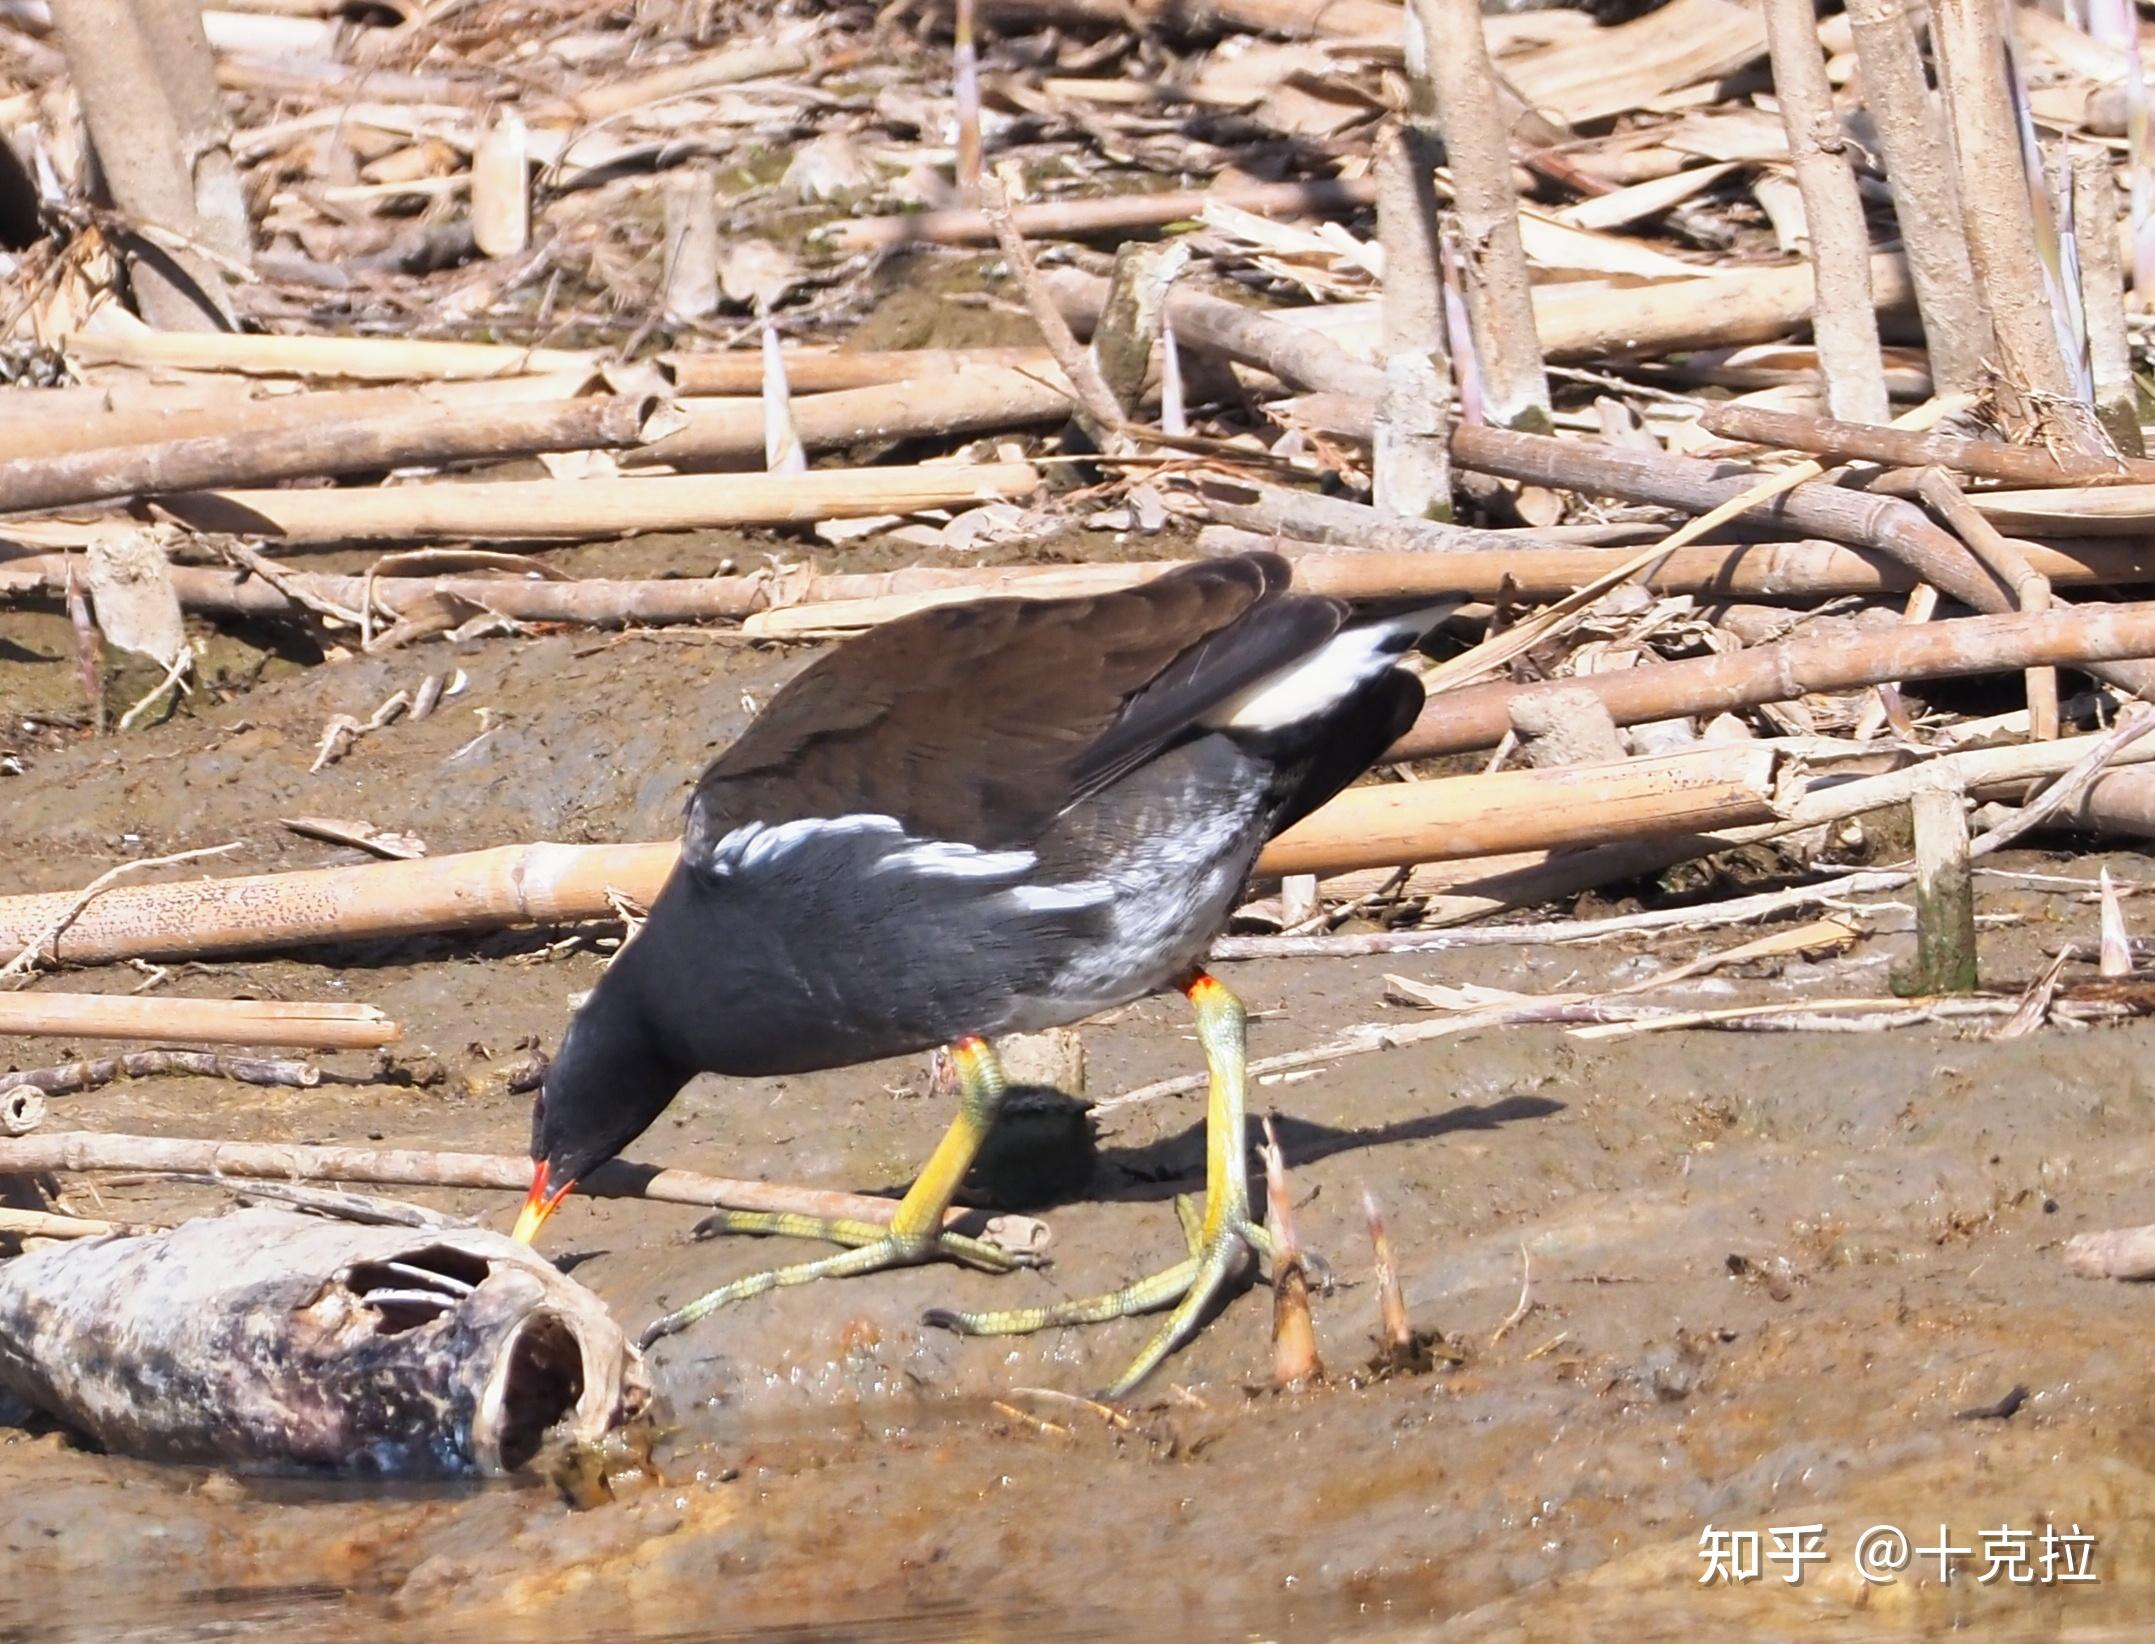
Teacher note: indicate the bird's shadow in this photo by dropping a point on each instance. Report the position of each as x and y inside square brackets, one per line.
[1037, 1168]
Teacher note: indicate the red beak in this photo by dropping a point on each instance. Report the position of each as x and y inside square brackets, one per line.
[540, 1205]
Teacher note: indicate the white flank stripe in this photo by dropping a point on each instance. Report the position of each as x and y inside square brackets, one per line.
[1084, 893]
[756, 844]
[1306, 689]
[952, 859]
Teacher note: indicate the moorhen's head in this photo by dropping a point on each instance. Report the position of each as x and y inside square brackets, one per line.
[610, 1080]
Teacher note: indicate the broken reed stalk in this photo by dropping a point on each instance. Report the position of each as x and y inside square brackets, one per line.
[83, 1151]
[73, 1078]
[822, 370]
[538, 510]
[1295, 1359]
[403, 438]
[1575, 322]
[1095, 401]
[967, 399]
[688, 263]
[1477, 145]
[22, 1110]
[752, 60]
[1128, 329]
[1907, 448]
[356, 359]
[1843, 321]
[2031, 589]
[1411, 460]
[501, 187]
[2036, 383]
[44, 1224]
[797, 604]
[2102, 301]
[555, 884]
[1926, 192]
[312, 1026]
[1116, 213]
[1945, 959]
[1477, 716]
[1896, 527]
[149, 99]
[112, 420]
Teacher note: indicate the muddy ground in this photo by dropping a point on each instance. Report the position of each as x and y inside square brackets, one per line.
[1770, 1276]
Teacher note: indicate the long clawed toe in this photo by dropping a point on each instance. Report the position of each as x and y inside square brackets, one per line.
[1220, 1261]
[873, 1250]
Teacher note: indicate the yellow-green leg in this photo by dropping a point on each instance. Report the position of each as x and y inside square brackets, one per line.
[915, 1233]
[1221, 1240]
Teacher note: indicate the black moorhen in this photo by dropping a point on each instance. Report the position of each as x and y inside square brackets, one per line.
[983, 819]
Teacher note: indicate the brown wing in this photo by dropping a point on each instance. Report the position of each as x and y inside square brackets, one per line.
[971, 722]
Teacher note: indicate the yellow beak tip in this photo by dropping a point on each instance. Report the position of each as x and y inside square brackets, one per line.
[529, 1223]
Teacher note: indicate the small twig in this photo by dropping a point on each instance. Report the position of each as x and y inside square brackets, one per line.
[1093, 395]
[1055, 1395]
[182, 660]
[1526, 1292]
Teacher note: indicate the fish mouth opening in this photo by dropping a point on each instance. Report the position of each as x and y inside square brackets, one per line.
[541, 1380]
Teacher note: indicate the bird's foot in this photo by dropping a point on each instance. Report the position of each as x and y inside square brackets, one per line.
[873, 1249]
[1220, 1250]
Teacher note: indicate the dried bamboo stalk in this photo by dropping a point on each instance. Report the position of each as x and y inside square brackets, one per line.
[82, 1151]
[43, 1224]
[2030, 588]
[1115, 213]
[1726, 311]
[501, 187]
[2102, 300]
[965, 400]
[1945, 960]
[358, 359]
[1843, 320]
[1477, 144]
[311, 1026]
[50, 427]
[547, 883]
[1411, 465]
[1926, 192]
[1574, 323]
[433, 437]
[2075, 636]
[149, 110]
[1378, 826]
[786, 607]
[537, 510]
[1907, 448]
[1895, 527]
[689, 255]
[752, 60]
[823, 370]
[2002, 245]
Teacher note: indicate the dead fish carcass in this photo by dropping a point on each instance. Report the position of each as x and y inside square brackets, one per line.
[268, 1340]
